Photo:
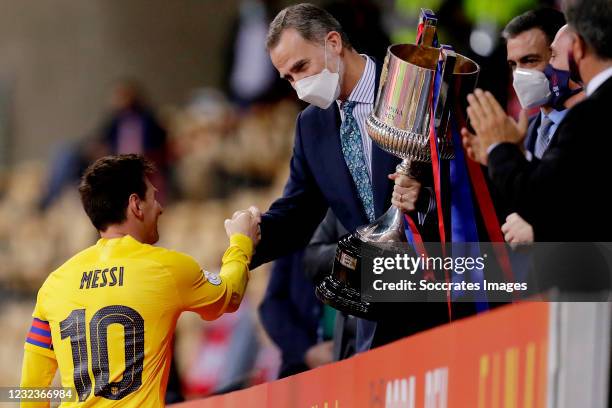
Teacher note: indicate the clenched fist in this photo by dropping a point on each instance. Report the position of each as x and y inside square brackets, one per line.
[516, 230]
[245, 222]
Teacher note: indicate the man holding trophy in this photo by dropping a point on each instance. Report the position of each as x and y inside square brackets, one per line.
[336, 165]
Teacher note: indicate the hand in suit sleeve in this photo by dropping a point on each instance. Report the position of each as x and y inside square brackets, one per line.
[292, 219]
[320, 253]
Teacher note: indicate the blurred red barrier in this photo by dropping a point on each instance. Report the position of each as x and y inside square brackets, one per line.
[495, 359]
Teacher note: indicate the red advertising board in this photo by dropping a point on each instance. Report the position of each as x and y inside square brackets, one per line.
[496, 359]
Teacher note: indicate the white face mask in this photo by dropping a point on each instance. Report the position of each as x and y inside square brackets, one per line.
[321, 89]
[531, 87]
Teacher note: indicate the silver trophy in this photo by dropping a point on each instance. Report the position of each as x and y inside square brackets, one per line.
[400, 124]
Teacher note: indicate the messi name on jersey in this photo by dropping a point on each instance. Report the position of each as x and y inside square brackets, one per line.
[100, 278]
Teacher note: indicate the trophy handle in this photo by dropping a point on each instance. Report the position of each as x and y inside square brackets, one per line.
[444, 102]
[411, 168]
[430, 22]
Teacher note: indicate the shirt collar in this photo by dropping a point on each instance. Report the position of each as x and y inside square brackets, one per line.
[554, 115]
[364, 90]
[115, 241]
[598, 80]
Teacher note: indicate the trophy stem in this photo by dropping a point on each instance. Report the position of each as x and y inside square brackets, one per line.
[404, 168]
[389, 227]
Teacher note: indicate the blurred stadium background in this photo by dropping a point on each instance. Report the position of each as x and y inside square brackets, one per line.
[223, 133]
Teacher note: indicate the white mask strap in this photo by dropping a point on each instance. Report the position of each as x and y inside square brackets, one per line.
[325, 53]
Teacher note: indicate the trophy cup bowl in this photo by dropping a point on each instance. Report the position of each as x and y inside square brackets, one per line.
[400, 124]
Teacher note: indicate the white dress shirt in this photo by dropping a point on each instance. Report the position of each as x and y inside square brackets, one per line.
[598, 80]
[363, 95]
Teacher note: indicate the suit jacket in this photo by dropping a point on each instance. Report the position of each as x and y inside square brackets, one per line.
[532, 133]
[562, 195]
[320, 179]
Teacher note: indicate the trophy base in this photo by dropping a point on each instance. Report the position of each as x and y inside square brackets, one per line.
[342, 288]
[339, 296]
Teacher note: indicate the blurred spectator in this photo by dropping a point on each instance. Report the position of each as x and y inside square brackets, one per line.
[250, 78]
[224, 357]
[174, 394]
[290, 313]
[68, 162]
[130, 128]
[133, 128]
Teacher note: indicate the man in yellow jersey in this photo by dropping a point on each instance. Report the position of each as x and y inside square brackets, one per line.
[107, 316]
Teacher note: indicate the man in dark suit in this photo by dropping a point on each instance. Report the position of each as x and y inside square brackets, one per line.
[550, 192]
[335, 164]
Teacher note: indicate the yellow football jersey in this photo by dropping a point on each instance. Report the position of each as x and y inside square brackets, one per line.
[108, 316]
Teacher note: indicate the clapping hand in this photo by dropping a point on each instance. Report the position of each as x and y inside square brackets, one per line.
[491, 124]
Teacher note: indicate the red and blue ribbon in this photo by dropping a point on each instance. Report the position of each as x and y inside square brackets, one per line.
[40, 334]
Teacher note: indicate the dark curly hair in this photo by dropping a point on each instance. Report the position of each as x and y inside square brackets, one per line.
[107, 185]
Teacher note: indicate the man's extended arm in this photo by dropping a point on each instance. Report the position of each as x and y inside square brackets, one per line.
[292, 219]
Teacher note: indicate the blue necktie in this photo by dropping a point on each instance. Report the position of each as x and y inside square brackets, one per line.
[543, 137]
[352, 149]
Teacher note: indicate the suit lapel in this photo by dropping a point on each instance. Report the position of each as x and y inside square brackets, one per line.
[532, 132]
[333, 161]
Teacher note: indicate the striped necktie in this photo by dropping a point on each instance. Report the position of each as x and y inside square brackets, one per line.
[543, 137]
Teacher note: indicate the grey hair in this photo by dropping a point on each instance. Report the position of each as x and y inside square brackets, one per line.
[592, 20]
[311, 22]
